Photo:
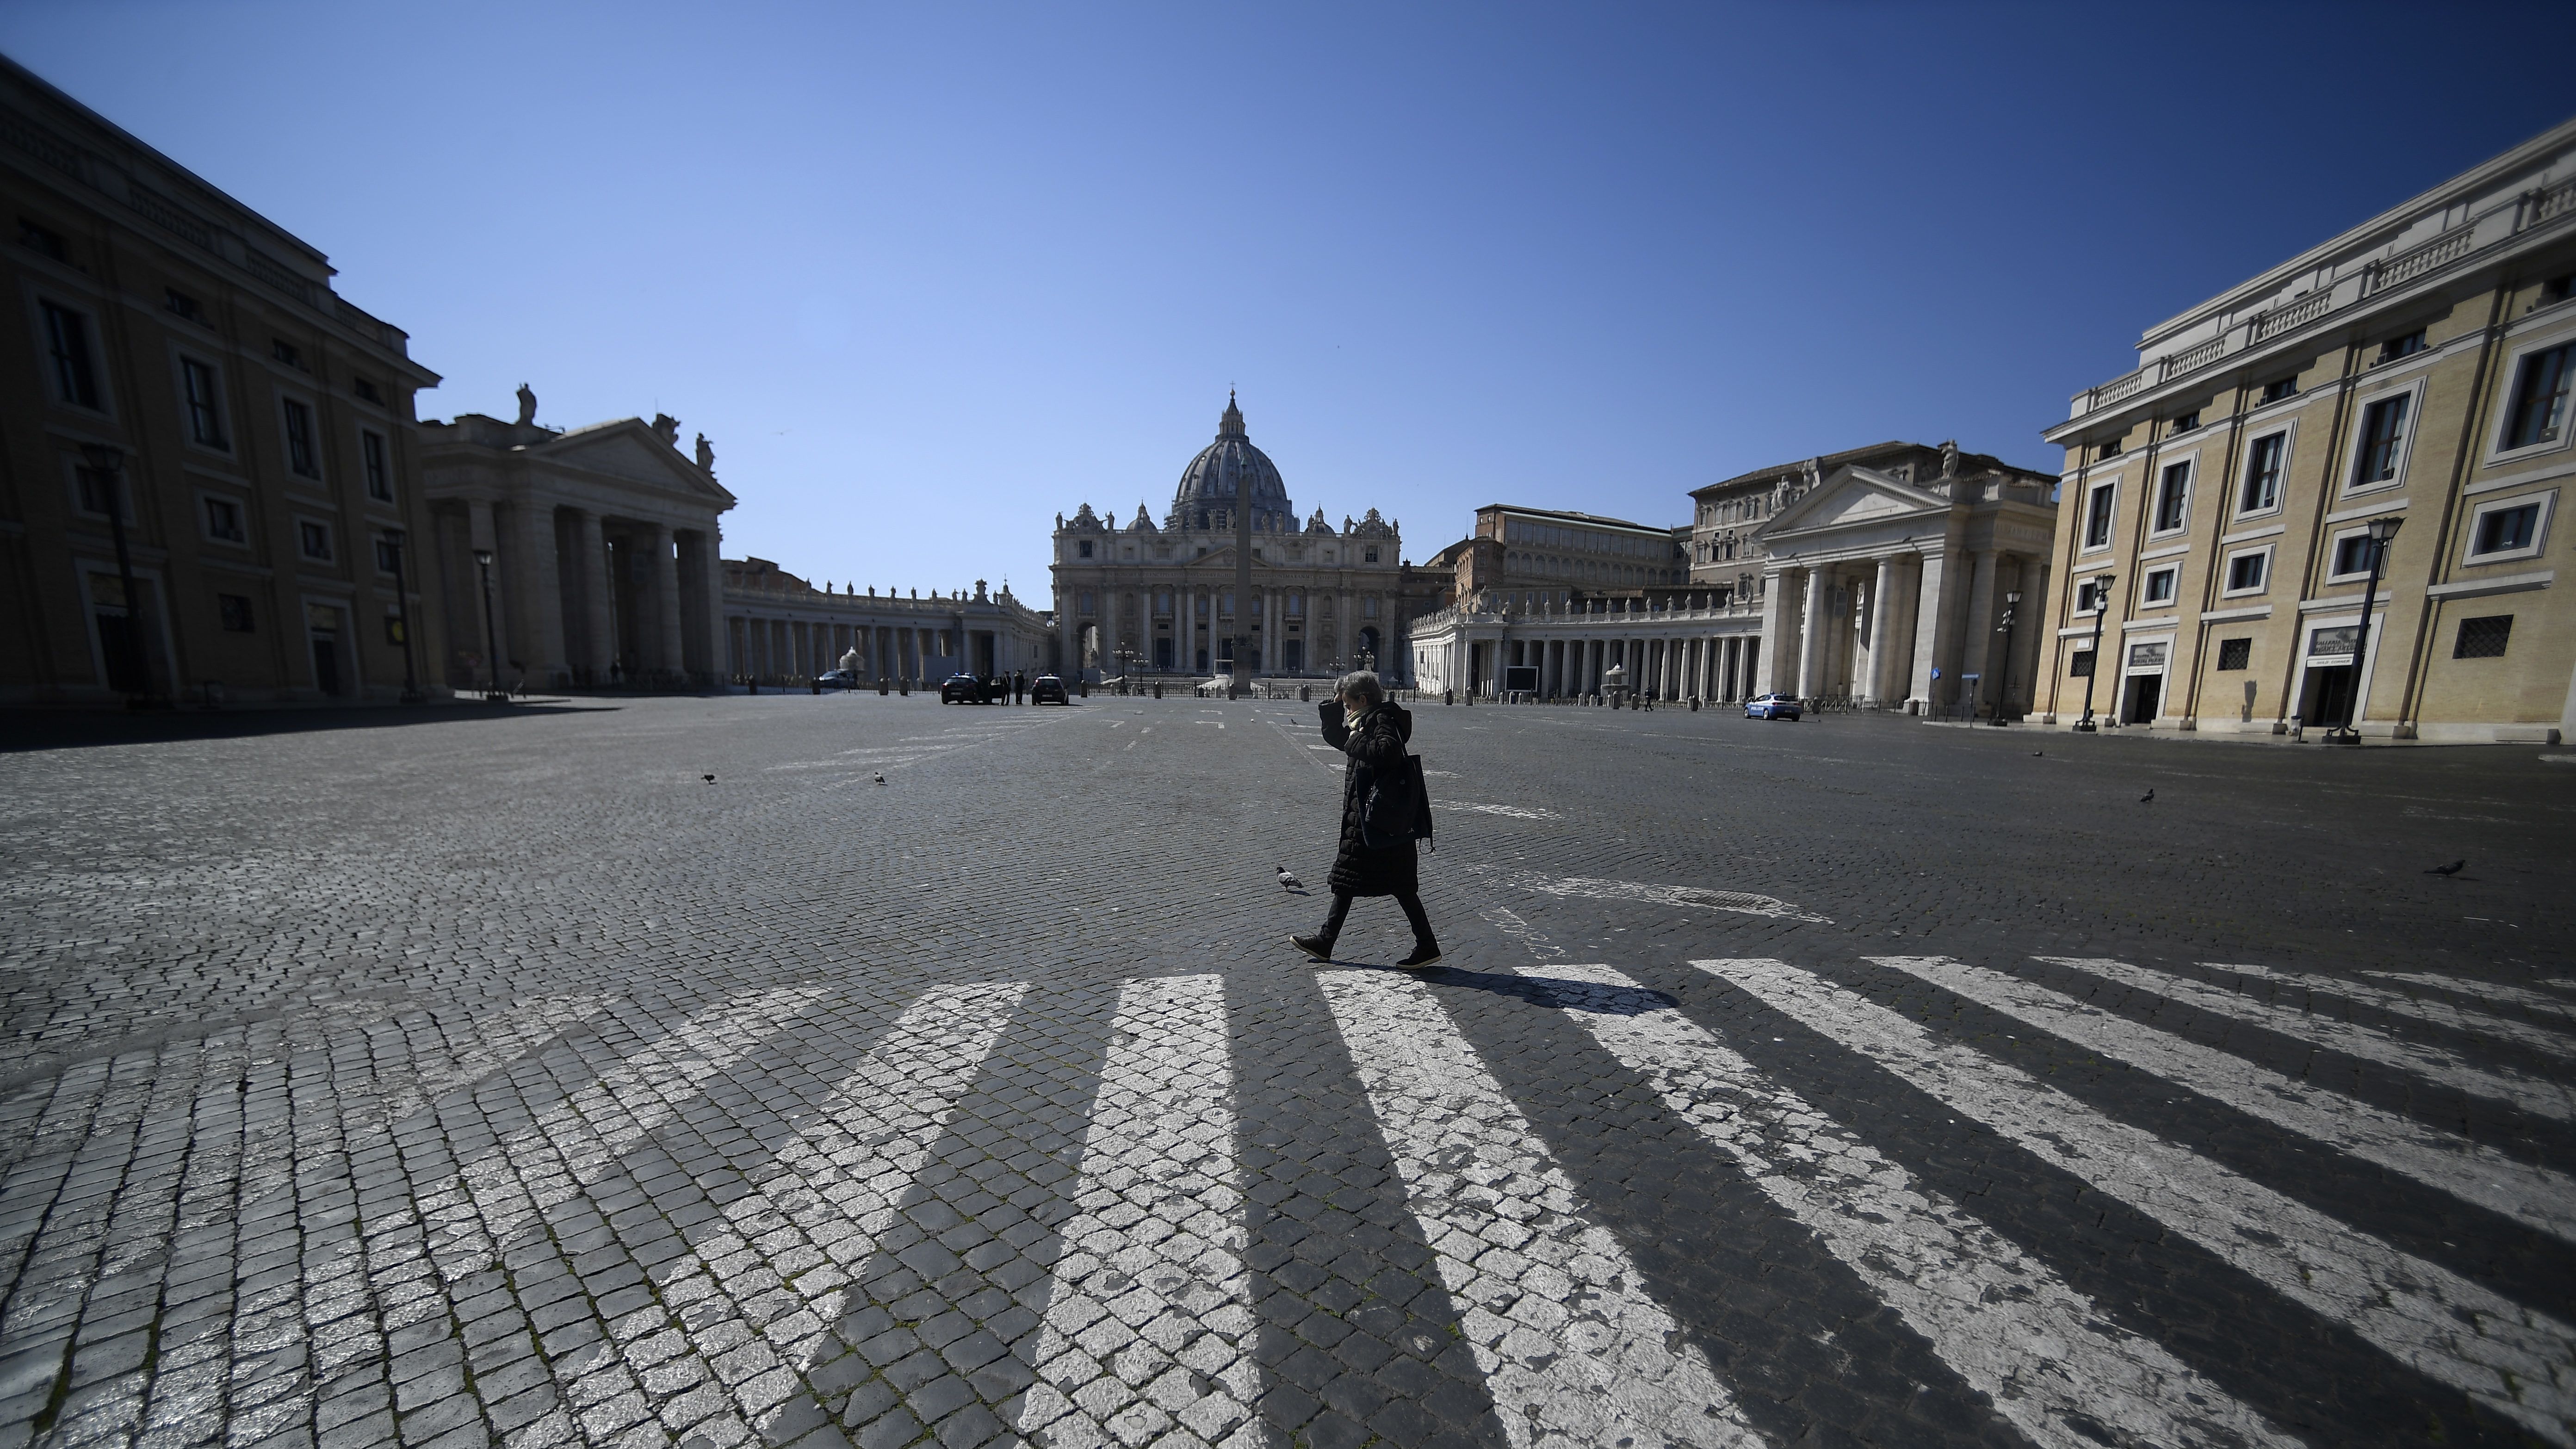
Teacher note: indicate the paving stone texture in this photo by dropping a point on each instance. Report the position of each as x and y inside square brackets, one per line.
[496, 1077]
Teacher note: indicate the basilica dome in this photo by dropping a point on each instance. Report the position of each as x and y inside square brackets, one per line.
[1215, 478]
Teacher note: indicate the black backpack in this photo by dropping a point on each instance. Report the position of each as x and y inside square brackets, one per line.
[1398, 809]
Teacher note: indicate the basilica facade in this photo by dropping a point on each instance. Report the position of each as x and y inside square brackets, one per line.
[1159, 598]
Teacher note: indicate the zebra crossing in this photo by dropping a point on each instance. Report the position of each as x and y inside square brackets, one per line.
[1139, 1318]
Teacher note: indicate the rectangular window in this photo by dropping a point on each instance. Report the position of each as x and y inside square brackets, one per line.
[67, 347]
[2173, 497]
[380, 476]
[224, 520]
[41, 239]
[205, 412]
[2263, 462]
[2539, 399]
[384, 557]
[1296, 606]
[2383, 433]
[99, 493]
[366, 390]
[182, 305]
[2097, 516]
[2185, 423]
[2080, 664]
[286, 352]
[2090, 599]
[1370, 555]
[2406, 346]
[2160, 586]
[1368, 607]
[235, 609]
[2245, 572]
[316, 539]
[2234, 654]
[2352, 555]
[2504, 530]
[300, 457]
[2279, 388]
[2483, 638]
[1083, 600]
[2111, 448]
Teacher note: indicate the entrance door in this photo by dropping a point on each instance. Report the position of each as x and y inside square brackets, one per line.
[1162, 656]
[2327, 698]
[2144, 692]
[322, 625]
[120, 650]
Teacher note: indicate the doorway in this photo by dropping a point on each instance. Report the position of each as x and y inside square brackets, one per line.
[2326, 697]
[2138, 704]
[322, 626]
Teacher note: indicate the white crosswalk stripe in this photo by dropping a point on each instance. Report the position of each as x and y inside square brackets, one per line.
[2513, 1359]
[2430, 1010]
[2044, 1353]
[1573, 1349]
[2537, 1003]
[2544, 1099]
[2469, 1171]
[1151, 1298]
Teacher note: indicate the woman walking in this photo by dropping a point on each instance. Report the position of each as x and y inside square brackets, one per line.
[1361, 723]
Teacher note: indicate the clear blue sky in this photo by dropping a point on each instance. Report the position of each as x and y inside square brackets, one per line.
[929, 274]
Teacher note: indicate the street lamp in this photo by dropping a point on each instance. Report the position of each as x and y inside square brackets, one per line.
[402, 614]
[2379, 531]
[107, 465]
[2101, 606]
[491, 645]
[2003, 696]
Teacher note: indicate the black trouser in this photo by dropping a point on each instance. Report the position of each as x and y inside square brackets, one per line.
[1409, 900]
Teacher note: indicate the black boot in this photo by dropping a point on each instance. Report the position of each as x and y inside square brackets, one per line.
[1318, 945]
[1425, 953]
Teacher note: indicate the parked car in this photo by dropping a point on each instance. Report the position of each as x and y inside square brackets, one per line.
[838, 679]
[1047, 689]
[965, 689]
[1774, 706]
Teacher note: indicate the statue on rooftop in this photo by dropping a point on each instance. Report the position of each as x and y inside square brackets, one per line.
[1950, 459]
[667, 428]
[527, 406]
[706, 453]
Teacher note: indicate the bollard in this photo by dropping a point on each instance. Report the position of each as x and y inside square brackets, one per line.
[1694, 704]
[1158, 689]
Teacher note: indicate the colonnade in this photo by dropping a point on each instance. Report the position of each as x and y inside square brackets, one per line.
[1926, 630]
[1697, 666]
[577, 596]
[1127, 619]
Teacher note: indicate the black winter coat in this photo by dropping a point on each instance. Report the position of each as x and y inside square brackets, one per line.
[1375, 745]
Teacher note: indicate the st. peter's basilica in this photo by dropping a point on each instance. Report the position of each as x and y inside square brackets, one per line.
[1159, 598]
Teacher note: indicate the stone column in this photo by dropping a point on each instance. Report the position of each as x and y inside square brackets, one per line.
[706, 606]
[2030, 632]
[1812, 646]
[590, 566]
[1882, 594]
[1935, 635]
[666, 599]
[1976, 643]
[538, 597]
[1775, 631]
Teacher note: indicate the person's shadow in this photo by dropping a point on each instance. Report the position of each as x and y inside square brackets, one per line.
[1557, 993]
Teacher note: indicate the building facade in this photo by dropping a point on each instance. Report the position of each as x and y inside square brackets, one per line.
[603, 548]
[1154, 598]
[1526, 559]
[1676, 643]
[212, 475]
[2219, 496]
[1908, 584]
[780, 629]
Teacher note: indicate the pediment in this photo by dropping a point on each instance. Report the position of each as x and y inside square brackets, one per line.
[629, 449]
[1852, 497]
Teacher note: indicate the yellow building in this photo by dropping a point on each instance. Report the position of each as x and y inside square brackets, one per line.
[2218, 502]
[208, 457]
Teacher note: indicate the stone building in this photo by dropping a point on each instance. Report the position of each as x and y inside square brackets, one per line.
[1160, 598]
[1524, 559]
[1672, 643]
[212, 468]
[2220, 496]
[780, 629]
[603, 544]
[1901, 577]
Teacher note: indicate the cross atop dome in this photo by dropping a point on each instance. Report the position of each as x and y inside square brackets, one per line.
[1231, 424]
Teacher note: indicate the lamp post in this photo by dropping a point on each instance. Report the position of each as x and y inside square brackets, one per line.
[491, 644]
[2003, 695]
[402, 615]
[107, 464]
[2379, 531]
[2101, 607]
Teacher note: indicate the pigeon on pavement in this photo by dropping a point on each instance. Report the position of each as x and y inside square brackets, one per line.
[1290, 881]
[2454, 868]
[710, 779]
[880, 779]
[2148, 798]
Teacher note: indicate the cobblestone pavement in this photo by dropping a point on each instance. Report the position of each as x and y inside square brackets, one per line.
[500, 1078]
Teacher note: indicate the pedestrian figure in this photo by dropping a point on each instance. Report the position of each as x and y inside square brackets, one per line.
[1376, 856]
[1019, 686]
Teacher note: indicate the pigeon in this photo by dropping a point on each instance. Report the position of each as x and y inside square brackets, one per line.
[2038, 754]
[2454, 868]
[710, 779]
[1289, 881]
[880, 779]
[2148, 798]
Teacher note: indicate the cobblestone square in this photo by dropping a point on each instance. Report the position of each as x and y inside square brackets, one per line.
[501, 1078]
